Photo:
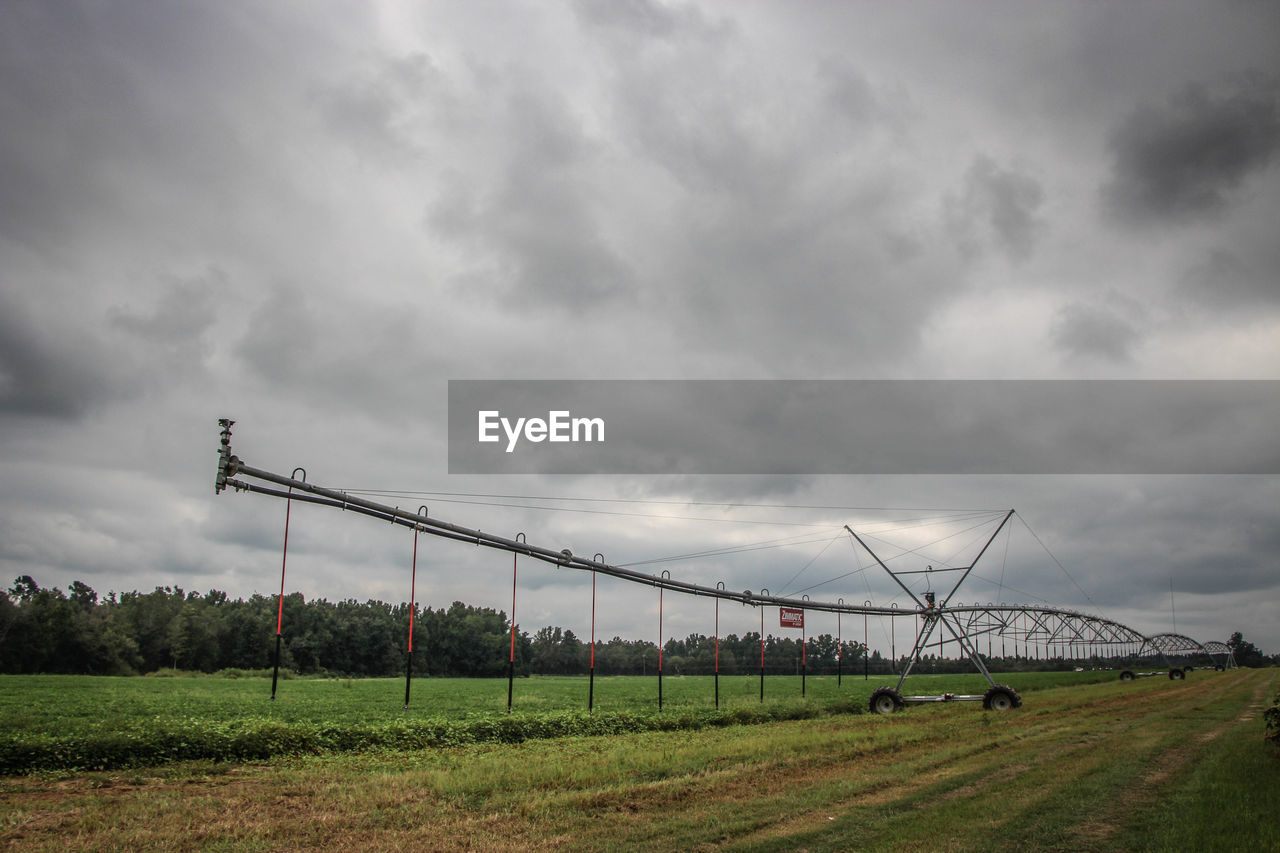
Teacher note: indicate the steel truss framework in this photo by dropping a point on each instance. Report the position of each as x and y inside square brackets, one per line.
[1069, 633]
[1180, 646]
[1222, 650]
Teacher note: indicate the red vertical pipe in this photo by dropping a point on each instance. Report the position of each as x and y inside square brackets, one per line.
[288, 507]
[717, 679]
[762, 640]
[413, 605]
[839, 648]
[275, 667]
[511, 663]
[413, 588]
[660, 591]
[591, 671]
[762, 653]
[804, 660]
[893, 641]
[514, 558]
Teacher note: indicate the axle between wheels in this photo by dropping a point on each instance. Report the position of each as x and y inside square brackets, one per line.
[999, 697]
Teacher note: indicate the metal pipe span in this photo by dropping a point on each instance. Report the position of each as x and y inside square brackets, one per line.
[230, 469]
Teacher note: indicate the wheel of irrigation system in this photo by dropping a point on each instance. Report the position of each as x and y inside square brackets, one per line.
[1001, 697]
[1176, 674]
[886, 700]
[1126, 676]
[1219, 668]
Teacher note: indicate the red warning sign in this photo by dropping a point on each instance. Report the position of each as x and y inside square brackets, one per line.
[790, 617]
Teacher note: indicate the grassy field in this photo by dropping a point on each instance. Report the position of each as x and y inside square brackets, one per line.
[54, 702]
[96, 723]
[1153, 764]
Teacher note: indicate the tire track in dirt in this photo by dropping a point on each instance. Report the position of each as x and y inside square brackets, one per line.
[1111, 719]
[1168, 764]
[1019, 747]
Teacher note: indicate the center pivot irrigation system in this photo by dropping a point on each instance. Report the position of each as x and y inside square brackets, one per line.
[1029, 625]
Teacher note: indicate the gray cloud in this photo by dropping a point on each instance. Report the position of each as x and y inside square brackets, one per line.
[381, 110]
[1095, 331]
[537, 213]
[996, 205]
[309, 222]
[47, 372]
[644, 18]
[1187, 158]
[173, 335]
[1226, 280]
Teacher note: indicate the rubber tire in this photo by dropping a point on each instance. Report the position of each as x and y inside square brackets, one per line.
[1176, 674]
[885, 700]
[1219, 669]
[1127, 676]
[1001, 697]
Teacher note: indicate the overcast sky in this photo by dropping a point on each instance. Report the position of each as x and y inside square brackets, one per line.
[309, 217]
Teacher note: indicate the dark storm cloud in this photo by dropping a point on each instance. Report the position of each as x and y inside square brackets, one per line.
[309, 220]
[342, 356]
[1228, 280]
[381, 110]
[1094, 331]
[281, 342]
[173, 332]
[49, 370]
[114, 115]
[61, 367]
[787, 236]
[538, 215]
[644, 18]
[1131, 539]
[852, 97]
[1187, 158]
[55, 123]
[996, 205]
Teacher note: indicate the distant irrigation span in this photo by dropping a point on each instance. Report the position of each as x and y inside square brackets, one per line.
[1069, 633]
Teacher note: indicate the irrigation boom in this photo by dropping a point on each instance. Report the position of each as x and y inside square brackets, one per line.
[232, 473]
[1029, 624]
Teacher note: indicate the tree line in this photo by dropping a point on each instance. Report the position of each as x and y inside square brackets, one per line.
[51, 631]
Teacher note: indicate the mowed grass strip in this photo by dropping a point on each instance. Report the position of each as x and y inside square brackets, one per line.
[1076, 786]
[1082, 768]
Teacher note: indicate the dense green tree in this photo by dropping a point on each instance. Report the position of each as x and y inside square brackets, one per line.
[1245, 652]
[45, 630]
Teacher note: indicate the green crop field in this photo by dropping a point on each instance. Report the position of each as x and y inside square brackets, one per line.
[45, 701]
[1152, 764]
[82, 722]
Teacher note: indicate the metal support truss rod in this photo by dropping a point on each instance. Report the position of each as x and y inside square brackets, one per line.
[940, 613]
[340, 500]
[231, 469]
